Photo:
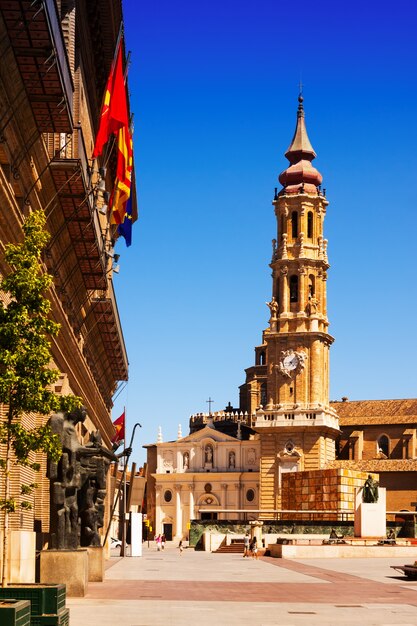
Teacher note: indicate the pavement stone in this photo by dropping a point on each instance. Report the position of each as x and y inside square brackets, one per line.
[166, 588]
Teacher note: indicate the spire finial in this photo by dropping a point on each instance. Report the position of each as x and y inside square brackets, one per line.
[300, 99]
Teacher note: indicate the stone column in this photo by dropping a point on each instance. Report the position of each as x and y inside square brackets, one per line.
[224, 499]
[324, 294]
[302, 288]
[191, 488]
[238, 488]
[178, 512]
[284, 289]
[158, 512]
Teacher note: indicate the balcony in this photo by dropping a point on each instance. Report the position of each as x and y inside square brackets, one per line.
[107, 317]
[70, 173]
[296, 418]
[36, 39]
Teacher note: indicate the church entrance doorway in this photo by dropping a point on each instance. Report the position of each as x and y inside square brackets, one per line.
[168, 531]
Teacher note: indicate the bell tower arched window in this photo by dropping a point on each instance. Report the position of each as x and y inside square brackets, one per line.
[310, 225]
[311, 286]
[383, 445]
[294, 224]
[293, 288]
[262, 358]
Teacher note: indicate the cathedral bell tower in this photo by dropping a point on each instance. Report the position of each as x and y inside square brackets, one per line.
[287, 391]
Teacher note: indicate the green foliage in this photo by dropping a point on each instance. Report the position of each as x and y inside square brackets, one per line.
[25, 353]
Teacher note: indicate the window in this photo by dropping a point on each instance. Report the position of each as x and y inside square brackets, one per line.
[250, 495]
[262, 358]
[263, 394]
[168, 495]
[294, 224]
[310, 225]
[293, 288]
[383, 445]
[311, 286]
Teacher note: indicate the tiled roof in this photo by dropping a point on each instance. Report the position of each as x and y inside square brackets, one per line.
[377, 465]
[356, 412]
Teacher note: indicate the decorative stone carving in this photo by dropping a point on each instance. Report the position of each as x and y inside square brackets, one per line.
[301, 241]
[251, 458]
[168, 460]
[232, 459]
[312, 306]
[208, 454]
[273, 307]
[284, 246]
[284, 270]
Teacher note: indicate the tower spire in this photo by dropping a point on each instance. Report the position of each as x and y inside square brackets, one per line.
[300, 174]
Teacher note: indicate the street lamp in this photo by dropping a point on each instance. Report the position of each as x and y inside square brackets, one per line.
[126, 453]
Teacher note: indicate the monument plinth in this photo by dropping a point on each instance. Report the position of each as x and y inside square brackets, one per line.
[370, 511]
[65, 566]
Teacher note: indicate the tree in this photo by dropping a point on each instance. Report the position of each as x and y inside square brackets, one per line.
[25, 357]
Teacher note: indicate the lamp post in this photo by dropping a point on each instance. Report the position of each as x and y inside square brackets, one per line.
[126, 453]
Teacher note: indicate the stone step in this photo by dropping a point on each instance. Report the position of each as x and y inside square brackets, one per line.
[233, 548]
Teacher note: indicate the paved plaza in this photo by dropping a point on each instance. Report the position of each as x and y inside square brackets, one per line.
[164, 588]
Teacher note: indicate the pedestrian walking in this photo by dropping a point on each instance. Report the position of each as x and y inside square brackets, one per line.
[254, 548]
[246, 542]
[163, 541]
[158, 542]
[181, 548]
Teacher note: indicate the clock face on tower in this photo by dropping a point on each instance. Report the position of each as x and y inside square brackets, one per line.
[291, 362]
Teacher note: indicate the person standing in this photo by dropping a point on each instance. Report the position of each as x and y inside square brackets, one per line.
[158, 542]
[163, 541]
[246, 542]
[254, 548]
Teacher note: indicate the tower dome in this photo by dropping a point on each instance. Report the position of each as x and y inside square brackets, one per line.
[300, 174]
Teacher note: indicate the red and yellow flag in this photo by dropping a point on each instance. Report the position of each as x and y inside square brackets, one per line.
[114, 112]
[122, 187]
[119, 425]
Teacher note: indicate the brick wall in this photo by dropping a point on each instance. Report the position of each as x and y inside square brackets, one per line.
[321, 490]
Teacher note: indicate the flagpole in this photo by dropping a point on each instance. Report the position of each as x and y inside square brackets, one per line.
[123, 548]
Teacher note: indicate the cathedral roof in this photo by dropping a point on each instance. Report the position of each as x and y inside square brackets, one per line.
[356, 412]
[376, 465]
[300, 174]
[207, 431]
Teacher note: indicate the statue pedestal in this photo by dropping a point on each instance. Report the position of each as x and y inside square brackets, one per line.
[69, 567]
[370, 517]
[95, 564]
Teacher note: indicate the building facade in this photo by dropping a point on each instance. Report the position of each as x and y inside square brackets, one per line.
[300, 451]
[56, 57]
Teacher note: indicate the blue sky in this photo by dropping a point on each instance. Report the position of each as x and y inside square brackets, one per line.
[214, 89]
